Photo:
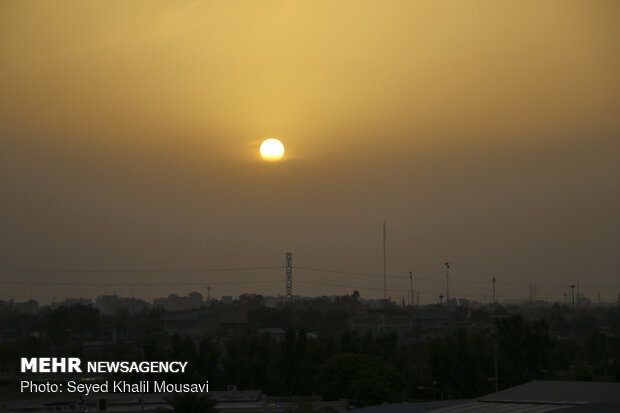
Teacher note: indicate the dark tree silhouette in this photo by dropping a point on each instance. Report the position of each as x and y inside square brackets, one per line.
[361, 378]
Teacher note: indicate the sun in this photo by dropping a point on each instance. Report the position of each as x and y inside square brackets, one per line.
[272, 150]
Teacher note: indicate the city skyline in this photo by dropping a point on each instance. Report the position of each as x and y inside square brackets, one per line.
[425, 290]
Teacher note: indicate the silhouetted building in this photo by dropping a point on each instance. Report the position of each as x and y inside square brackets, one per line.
[111, 304]
[27, 307]
[68, 302]
[179, 303]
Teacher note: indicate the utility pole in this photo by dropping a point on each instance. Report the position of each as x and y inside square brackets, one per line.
[447, 264]
[441, 299]
[495, 362]
[208, 294]
[410, 287]
[132, 299]
[494, 290]
[572, 291]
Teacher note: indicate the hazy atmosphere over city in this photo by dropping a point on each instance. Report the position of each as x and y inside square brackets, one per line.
[484, 134]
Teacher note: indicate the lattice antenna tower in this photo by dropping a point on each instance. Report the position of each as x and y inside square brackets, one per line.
[289, 275]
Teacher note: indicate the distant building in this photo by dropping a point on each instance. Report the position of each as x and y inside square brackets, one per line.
[180, 303]
[111, 304]
[27, 307]
[68, 302]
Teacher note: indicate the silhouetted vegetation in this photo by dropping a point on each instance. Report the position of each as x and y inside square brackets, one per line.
[316, 354]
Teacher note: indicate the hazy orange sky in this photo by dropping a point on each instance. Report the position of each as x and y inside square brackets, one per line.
[484, 133]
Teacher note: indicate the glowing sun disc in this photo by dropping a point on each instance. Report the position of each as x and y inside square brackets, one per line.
[272, 150]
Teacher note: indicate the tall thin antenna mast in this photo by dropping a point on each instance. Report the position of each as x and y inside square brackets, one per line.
[384, 267]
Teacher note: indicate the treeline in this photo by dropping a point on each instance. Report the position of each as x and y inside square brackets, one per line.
[338, 363]
[371, 369]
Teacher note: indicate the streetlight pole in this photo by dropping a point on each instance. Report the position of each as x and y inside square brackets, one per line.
[495, 362]
[572, 291]
[447, 264]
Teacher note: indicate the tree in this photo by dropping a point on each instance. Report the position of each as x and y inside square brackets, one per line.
[77, 319]
[361, 378]
[523, 348]
[461, 364]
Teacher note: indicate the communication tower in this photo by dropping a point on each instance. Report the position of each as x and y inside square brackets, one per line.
[289, 275]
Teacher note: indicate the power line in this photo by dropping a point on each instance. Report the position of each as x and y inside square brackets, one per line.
[434, 293]
[117, 270]
[348, 286]
[481, 264]
[363, 274]
[249, 268]
[436, 280]
[355, 287]
[259, 268]
[117, 284]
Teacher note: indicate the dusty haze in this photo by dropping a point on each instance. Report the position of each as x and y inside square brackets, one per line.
[484, 133]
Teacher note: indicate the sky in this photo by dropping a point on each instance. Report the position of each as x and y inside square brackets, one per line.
[484, 133]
